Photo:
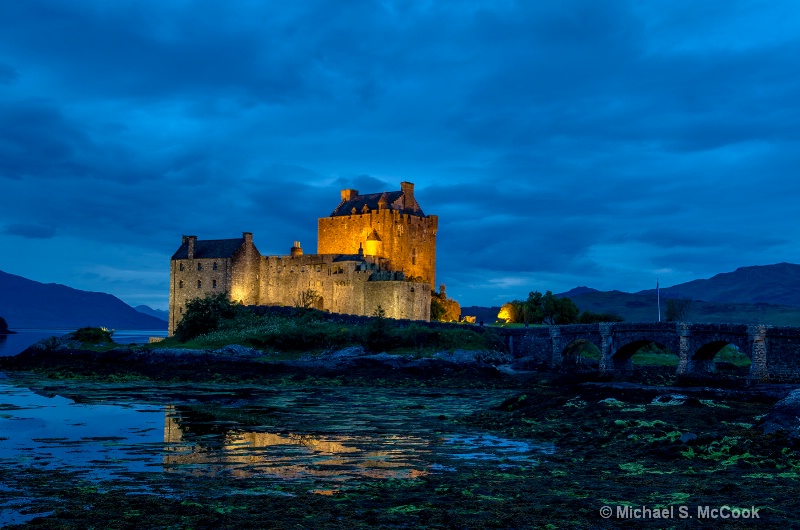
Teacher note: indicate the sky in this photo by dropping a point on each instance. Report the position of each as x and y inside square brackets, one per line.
[561, 143]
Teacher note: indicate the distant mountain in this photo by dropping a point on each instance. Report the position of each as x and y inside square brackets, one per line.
[578, 290]
[158, 313]
[29, 304]
[643, 307]
[768, 294]
[486, 314]
[767, 284]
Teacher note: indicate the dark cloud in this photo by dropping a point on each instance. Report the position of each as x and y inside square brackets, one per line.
[560, 144]
[30, 231]
[7, 74]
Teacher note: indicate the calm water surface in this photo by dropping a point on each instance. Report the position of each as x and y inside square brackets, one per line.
[326, 439]
[16, 342]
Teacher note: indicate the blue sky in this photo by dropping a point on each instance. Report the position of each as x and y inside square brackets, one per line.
[561, 143]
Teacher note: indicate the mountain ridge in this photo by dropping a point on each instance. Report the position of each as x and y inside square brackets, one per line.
[26, 303]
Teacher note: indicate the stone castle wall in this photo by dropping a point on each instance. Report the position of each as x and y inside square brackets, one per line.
[196, 278]
[343, 286]
[346, 287]
[407, 241]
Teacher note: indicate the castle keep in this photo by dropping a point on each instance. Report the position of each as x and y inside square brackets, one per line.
[367, 250]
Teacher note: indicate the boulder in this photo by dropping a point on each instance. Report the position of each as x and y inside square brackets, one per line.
[784, 416]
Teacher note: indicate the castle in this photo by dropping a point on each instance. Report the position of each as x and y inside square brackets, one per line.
[373, 250]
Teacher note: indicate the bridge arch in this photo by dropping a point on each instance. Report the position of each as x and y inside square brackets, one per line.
[622, 357]
[579, 351]
[703, 361]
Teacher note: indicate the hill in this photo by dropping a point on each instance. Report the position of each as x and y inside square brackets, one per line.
[29, 304]
[487, 315]
[643, 307]
[158, 313]
[777, 284]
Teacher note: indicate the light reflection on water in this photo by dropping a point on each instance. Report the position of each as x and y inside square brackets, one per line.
[328, 439]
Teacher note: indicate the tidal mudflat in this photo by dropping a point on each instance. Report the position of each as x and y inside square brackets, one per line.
[72, 451]
[114, 440]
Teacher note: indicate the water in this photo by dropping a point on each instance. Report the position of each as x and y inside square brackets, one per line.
[16, 342]
[325, 439]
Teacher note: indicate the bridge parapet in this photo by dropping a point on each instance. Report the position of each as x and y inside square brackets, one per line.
[774, 352]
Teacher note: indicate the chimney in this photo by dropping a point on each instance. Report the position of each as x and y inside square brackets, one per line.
[296, 249]
[190, 241]
[349, 195]
[248, 238]
[408, 195]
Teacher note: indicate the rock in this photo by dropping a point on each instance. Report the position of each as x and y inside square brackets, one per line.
[475, 357]
[669, 400]
[784, 416]
[238, 351]
[687, 437]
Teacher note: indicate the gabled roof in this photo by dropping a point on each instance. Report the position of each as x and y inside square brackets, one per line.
[210, 248]
[394, 201]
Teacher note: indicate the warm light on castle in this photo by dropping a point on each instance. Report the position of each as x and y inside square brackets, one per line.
[368, 248]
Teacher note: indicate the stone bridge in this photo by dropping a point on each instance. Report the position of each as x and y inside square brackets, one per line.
[774, 352]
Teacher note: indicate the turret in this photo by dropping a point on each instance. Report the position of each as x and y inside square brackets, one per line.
[296, 249]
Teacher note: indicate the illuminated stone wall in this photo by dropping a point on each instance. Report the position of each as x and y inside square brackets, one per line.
[408, 241]
[356, 286]
[183, 286]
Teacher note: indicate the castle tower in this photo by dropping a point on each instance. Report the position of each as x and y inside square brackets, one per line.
[373, 245]
[390, 225]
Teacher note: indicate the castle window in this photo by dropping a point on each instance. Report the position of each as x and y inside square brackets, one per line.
[199, 266]
[214, 284]
[319, 269]
[181, 267]
[199, 284]
[180, 284]
[180, 309]
[214, 266]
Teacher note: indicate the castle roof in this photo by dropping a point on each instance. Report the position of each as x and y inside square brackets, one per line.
[393, 200]
[210, 248]
[348, 257]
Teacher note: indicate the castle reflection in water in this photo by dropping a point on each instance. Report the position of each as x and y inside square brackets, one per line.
[332, 460]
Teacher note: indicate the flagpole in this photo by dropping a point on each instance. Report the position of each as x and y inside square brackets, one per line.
[658, 297]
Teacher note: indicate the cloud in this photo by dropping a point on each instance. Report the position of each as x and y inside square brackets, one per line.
[30, 231]
[570, 143]
[7, 74]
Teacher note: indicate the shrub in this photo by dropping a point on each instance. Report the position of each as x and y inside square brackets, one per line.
[93, 335]
[204, 315]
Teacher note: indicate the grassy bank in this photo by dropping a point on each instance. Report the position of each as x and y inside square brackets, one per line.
[310, 331]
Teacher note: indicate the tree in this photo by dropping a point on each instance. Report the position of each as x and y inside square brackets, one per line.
[444, 309]
[509, 312]
[3, 325]
[306, 299]
[559, 311]
[540, 309]
[204, 315]
[678, 309]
